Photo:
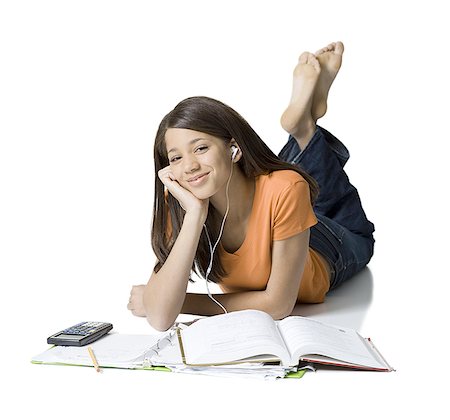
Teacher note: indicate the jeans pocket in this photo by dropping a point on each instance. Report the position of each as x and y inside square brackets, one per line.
[337, 232]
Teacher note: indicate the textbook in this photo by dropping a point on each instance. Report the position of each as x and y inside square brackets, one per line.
[253, 336]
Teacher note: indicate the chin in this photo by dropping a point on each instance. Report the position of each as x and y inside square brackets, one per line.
[202, 195]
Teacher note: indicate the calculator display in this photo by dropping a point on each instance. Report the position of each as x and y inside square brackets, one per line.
[70, 337]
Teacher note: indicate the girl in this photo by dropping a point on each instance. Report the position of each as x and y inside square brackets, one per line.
[270, 231]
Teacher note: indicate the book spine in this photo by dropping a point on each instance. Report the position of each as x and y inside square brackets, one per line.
[180, 342]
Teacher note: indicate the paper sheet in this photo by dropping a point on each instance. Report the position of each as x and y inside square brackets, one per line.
[113, 350]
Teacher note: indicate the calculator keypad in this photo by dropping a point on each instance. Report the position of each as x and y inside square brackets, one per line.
[83, 328]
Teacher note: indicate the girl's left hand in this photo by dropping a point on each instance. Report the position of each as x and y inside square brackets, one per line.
[136, 301]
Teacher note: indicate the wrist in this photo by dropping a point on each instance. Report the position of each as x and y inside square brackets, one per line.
[196, 216]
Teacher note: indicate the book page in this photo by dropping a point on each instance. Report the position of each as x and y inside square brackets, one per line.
[231, 337]
[112, 350]
[305, 336]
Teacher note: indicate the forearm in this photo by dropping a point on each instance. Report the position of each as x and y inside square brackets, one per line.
[202, 304]
[166, 290]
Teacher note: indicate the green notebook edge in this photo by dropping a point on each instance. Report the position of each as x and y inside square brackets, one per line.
[291, 375]
[159, 368]
[295, 375]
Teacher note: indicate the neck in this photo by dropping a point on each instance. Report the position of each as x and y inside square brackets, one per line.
[240, 192]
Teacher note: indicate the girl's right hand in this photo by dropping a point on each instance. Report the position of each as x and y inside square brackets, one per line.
[188, 201]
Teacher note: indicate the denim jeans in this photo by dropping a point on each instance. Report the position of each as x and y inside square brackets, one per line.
[343, 235]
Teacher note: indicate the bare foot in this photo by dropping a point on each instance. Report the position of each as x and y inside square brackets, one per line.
[330, 59]
[297, 119]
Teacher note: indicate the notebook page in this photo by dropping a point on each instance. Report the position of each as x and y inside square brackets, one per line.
[231, 337]
[112, 350]
[305, 336]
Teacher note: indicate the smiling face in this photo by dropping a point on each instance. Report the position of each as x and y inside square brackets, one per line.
[201, 163]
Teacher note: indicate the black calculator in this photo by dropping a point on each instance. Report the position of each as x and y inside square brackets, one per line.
[80, 334]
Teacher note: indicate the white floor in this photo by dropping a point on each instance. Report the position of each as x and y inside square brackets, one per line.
[411, 340]
[84, 85]
[347, 305]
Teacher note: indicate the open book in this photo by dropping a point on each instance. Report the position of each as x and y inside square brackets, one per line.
[252, 335]
[113, 350]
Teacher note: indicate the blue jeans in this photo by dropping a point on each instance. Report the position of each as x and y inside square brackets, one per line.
[343, 235]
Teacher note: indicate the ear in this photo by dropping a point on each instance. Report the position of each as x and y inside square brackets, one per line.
[238, 156]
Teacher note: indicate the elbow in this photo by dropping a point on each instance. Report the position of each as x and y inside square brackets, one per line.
[157, 317]
[281, 310]
[160, 325]
[281, 313]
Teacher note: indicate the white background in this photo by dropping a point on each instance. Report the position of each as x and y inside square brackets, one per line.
[83, 87]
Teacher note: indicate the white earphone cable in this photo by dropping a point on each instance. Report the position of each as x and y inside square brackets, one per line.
[212, 249]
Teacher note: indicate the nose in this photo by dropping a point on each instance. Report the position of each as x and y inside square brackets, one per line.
[190, 164]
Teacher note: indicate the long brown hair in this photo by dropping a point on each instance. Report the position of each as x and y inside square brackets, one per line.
[213, 117]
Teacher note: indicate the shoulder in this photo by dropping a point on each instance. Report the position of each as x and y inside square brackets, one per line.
[279, 181]
[287, 195]
[283, 188]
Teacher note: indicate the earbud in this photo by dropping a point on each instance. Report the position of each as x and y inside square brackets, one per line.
[234, 152]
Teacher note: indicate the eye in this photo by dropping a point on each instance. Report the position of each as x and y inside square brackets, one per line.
[201, 148]
[174, 159]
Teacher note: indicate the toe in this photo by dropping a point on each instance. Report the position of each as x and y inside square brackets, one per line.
[321, 51]
[312, 59]
[304, 57]
[328, 48]
[339, 48]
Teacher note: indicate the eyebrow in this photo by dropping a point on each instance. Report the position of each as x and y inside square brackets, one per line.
[190, 142]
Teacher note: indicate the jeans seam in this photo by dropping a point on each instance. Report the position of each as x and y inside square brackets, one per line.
[339, 238]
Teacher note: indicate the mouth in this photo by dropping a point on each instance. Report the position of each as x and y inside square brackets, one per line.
[197, 179]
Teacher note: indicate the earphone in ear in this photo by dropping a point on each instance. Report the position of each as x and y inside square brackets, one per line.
[234, 152]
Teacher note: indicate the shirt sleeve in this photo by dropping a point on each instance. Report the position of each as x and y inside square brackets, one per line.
[293, 211]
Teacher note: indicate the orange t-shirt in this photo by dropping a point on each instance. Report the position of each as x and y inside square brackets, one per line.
[281, 209]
